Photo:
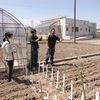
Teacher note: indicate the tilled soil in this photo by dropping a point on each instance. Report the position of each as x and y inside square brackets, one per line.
[91, 77]
[17, 89]
[63, 50]
[20, 89]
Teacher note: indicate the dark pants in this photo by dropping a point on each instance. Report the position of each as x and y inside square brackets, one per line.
[10, 65]
[34, 57]
[50, 53]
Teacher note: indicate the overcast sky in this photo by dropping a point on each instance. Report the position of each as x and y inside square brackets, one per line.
[27, 10]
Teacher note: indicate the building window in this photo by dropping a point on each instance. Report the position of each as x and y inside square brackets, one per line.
[86, 29]
[76, 29]
[66, 28]
[81, 29]
[89, 30]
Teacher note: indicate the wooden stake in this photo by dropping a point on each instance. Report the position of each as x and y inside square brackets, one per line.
[36, 83]
[41, 88]
[82, 85]
[83, 93]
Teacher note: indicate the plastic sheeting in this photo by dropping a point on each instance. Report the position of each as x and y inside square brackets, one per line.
[9, 23]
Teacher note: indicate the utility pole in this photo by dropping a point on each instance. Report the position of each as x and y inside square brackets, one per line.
[74, 21]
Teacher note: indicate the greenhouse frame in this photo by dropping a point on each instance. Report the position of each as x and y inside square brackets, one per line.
[9, 23]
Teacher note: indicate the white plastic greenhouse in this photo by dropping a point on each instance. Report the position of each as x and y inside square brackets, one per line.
[9, 23]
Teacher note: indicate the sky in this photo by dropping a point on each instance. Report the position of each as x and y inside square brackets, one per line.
[37, 10]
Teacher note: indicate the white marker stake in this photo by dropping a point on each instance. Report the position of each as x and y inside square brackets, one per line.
[46, 72]
[34, 79]
[83, 93]
[26, 73]
[31, 77]
[52, 75]
[43, 69]
[45, 98]
[47, 94]
[57, 79]
[55, 97]
[71, 90]
[36, 86]
[39, 67]
[97, 96]
[63, 83]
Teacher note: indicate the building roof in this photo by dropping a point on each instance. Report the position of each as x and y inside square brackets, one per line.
[44, 25]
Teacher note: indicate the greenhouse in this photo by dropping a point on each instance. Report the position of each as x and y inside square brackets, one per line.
[9, 23]
[64, 27]
[45, 27]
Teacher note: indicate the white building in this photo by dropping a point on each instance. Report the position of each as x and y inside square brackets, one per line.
[65, 27]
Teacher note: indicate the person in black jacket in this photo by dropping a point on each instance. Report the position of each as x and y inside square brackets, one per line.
[51, 42]
[34, 48]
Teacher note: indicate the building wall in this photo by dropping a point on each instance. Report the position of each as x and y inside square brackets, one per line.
[84, 28]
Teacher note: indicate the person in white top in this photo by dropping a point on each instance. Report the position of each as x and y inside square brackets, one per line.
[8, 51]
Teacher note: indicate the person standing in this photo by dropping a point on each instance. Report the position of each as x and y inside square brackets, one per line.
[51, 42]
[34, 48]
[8, 51]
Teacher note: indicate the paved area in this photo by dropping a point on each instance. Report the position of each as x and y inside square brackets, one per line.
[97, 42]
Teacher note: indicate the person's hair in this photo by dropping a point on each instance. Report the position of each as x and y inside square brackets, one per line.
[53, 29]
[7, 34]
[33, 30]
